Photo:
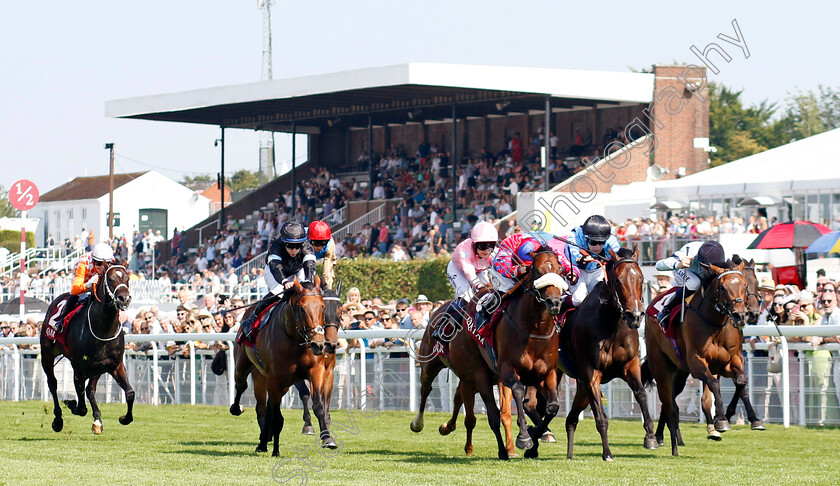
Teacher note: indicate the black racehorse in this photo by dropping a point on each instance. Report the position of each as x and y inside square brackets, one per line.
[94, 344]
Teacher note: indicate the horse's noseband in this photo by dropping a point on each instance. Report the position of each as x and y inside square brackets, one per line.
[307, 333]
[727, 308]
[112, 293]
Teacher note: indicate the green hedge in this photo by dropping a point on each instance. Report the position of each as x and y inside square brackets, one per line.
[10, 239]
[394, 280]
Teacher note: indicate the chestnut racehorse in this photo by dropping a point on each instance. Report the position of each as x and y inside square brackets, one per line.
[284, 354]
[703, 346]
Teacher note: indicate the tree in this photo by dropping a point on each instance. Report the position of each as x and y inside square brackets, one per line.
[738, 131]
[808, 113]
[244, 179]
[199, 179]
[6, 208]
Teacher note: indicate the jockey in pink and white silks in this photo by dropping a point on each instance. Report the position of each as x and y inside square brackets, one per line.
[467, 272]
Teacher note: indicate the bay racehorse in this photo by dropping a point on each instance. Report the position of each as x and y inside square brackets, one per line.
[430, 366]
[94, 342]
[741, 392]
[704, 345]
[600, 342]
[284, 355]
[325, 353]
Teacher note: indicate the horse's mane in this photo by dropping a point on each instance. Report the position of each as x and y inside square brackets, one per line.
[544, 249]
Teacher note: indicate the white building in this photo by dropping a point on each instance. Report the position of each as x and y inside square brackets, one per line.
[142, 200]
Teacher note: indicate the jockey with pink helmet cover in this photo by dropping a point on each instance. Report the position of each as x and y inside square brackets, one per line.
[467, 272]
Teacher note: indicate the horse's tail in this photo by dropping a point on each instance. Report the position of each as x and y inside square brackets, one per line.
[647, 376]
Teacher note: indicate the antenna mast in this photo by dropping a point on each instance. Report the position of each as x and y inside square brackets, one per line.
[267, 169]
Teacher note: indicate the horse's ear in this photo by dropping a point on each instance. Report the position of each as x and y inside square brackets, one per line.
[741, 265]
[635, 255]
[297, 286]
[717, 269]
[317, 282]
[751, 262]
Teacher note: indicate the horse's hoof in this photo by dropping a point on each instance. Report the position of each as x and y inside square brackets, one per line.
[608, 458]
[96, 427]
[275, 453]
[532, 453]
[308, 430]
[660, 441]
[757, 425]
[236, 410]
[548, 438]
[418, 427]
[722, 425]
[443, 429]
[261, 448]
[57, 424]
[70, 404]
[503, 455]
[651, 443]
[512, 455]
[126, 419]
[329, 443]
[469, 452]
[712, 433]
[524, 443]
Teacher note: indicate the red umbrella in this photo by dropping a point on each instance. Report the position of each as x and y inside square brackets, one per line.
[795, 234]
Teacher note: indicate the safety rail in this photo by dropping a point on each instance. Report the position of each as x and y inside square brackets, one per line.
[371, 217]
[45, 259]
[336, 217]
[256, 262]
[390, 376]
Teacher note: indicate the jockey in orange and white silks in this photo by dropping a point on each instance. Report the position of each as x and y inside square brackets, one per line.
[89, 268]
[467, 272]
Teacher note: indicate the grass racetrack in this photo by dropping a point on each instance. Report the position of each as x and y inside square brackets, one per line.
[206, 445]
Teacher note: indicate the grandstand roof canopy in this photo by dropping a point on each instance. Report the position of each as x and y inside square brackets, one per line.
[392, 94]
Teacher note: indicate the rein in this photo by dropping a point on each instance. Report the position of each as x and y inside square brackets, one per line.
[113, 302]
[527, 334]
[611, 283]
[722, 310]
[304, 332]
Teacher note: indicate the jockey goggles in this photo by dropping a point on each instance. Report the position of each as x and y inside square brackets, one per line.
[485, 245]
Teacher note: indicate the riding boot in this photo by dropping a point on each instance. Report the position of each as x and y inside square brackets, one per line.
[663, 316]
[248, 323]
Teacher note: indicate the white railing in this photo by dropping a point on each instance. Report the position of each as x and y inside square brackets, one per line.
[336, 217]
[390, 376]
[201, 231]
[256, 262]
[46, 259]
[371, 217]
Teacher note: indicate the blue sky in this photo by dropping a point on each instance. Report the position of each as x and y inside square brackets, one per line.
[62, 60]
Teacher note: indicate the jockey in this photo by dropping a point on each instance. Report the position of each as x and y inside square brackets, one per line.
[593, 239]
[467, 270]
[320, 237]
[289, 256]
[691, 265]
[514, 256]
[89, 267]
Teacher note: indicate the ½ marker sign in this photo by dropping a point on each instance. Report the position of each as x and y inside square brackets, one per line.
[23, 195]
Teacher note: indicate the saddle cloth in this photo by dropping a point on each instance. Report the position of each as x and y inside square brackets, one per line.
[51, 327]
[658, 304]
[260, 323]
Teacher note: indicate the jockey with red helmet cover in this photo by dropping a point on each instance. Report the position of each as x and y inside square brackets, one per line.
[591, 240]
[320, 237]
[89, 269]
[289, 255]
[471, 259]
[514, 256]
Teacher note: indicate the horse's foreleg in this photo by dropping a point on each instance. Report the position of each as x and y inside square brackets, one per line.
[457, 401]
[493, 416]
[505, 398]
[593, 388]
[265, 428]
[316, 378]
[741, 392]
[48, 363]
[706, 405]
[121, 377]
[306, 399]
[701, 370]
[428, 373]
[633, 377]
[97, 415]
[511, 380]
[78, 407]
[579, 404]
[241, 371]
[260, 396]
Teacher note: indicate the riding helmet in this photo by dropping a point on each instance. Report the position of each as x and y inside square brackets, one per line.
[319, 231]
[484, 232]
[102, 252]
[596, 229]
[292, 232]
[525, 249]
[711, 253]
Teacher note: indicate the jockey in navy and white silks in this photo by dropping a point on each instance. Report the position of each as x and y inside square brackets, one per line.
[289, 255]
[595, 236]
[691, 267]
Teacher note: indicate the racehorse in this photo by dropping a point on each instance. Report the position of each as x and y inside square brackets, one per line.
[94, 344]
[526, 344]
[753, 312]
[430, 367]
[703, 345]
[601, 342]
[325, 355]
[284, 355]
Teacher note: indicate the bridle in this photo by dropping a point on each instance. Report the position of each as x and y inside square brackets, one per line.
[306, 333]
[612, 283]
[113, 302]
[725, 309]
